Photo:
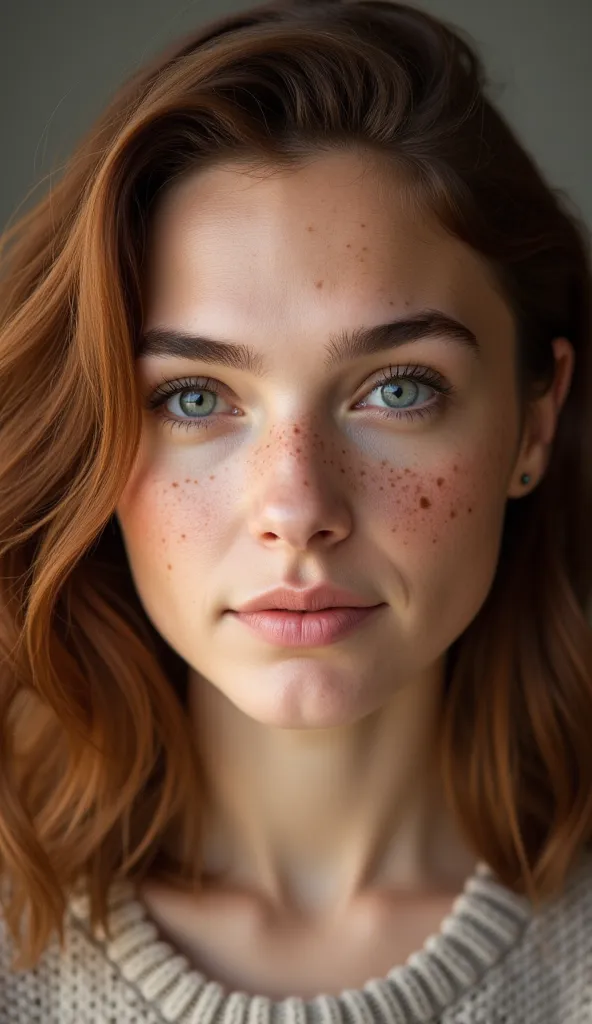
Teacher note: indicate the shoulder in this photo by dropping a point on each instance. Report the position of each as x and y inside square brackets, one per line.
[546, 977]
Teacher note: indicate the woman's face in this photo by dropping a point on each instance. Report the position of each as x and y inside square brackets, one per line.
[313, 469]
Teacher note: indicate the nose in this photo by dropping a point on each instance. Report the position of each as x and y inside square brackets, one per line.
[297, 499]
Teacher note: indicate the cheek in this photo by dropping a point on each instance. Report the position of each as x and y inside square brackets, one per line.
[440, 528]
[165, 515]
[447, 504]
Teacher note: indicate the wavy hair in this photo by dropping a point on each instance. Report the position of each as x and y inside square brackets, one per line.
[97, 762]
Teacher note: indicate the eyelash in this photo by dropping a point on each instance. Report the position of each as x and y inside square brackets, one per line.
[420, 374]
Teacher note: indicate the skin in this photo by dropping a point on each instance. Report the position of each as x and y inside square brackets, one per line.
[325, 815]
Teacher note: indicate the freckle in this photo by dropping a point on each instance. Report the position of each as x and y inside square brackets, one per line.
[175, 484]
[183, 536]
[440, 481]
[364, 248]
[452, 514]
[407, 470]
[299, 449]
[362, 225]
[470, 509]
[382, 488]
[318, 284]
[348, 246]
[169, 566]
[212, 477]
[343, 471]
[455, 468]
[296, 431]
[343, 451]
[196, 481]
[306, 484]
[425, 502]
[310, 228]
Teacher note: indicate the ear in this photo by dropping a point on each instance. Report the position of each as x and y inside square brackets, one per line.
[541, 422]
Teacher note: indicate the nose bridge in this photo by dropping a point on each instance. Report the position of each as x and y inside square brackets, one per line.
[294, 493]
[294, 454]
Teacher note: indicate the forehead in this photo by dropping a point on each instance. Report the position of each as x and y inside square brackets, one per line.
[331, 240]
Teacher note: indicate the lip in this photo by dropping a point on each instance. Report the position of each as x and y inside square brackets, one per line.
[306, 629]
[313, 599]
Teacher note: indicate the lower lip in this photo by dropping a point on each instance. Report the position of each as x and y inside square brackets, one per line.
[305, 629]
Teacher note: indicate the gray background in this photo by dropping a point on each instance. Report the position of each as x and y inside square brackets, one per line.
[61, 60]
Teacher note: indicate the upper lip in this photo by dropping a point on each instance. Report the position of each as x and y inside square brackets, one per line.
[313, 599]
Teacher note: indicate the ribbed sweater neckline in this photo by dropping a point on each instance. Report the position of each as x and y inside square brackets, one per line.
[485, 921]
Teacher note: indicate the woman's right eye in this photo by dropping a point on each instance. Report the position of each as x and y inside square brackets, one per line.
[196, 399]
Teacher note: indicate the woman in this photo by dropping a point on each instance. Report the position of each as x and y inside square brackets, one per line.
[296, 663]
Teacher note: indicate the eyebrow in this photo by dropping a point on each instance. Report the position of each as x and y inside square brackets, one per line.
[347, 344]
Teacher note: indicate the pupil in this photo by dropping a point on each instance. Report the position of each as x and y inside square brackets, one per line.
[396, 388]
[189, 398]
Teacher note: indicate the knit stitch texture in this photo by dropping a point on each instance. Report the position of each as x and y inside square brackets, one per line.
[492, 962]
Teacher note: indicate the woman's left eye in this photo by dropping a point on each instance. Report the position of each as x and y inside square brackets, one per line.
[404, 383]
[196, 397]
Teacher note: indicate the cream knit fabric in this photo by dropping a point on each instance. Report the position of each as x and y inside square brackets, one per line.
[492, 962]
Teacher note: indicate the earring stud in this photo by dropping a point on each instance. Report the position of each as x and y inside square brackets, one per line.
[525, 478]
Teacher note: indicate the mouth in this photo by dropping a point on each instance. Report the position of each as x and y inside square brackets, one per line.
[305, 611]
[284, 627]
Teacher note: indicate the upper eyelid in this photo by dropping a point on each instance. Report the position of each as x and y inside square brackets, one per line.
[373, 379]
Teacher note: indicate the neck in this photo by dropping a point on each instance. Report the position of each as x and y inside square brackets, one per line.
[310, 820]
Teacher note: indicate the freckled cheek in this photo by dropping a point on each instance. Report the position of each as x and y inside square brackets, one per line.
[428, 507]
[165, 519]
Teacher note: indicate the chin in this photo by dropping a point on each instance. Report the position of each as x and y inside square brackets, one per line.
[306, 694]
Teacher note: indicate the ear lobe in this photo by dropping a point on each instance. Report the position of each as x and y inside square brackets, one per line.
[541, 422]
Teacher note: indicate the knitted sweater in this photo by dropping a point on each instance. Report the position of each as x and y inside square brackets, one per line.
[493, 961]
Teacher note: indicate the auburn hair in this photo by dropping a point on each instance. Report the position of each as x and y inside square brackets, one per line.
[97, 764]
